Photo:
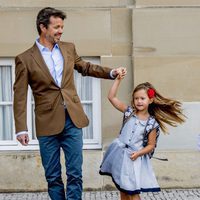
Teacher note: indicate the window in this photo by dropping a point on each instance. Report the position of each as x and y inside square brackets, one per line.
[89, 92]
[6, 114]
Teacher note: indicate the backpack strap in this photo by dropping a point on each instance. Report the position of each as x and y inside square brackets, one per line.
[162, 159]
[149, 127]
[127, 115]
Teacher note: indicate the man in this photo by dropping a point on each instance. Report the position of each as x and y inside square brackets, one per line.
[48, 67]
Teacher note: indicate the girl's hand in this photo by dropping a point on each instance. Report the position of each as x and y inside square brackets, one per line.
[119, 72]
[134, 155]
[121, 76]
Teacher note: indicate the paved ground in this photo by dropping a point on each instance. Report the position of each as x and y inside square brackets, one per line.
[174, 194]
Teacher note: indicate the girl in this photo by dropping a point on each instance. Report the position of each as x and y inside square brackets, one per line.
[127, 159]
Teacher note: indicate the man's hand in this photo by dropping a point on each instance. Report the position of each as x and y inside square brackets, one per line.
[23, 139]
[119, 72]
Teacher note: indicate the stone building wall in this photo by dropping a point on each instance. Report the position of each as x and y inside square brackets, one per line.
[157, 40]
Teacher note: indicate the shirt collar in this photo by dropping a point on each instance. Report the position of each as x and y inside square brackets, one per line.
[142, 122]
[43, 48]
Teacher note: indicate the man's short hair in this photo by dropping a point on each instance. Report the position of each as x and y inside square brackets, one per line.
[44, 15]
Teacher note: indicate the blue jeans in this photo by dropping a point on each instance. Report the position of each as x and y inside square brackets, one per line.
[71, 141]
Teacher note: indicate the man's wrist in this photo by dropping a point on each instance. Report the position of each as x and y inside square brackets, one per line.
[112, 75]
[21, 133]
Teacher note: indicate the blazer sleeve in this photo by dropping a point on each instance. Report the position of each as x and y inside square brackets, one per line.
[89, 69]
[20, 96]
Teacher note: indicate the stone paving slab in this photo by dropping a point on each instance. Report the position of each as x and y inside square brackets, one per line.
[165, 194]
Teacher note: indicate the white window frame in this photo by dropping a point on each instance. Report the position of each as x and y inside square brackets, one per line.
[94, 143]
[8, 143]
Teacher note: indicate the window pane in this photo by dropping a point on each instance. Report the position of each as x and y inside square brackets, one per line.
[88, 131]
[6, 115]
[83, 86]
[84, 89]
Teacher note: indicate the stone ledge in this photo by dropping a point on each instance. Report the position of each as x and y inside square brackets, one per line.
[167, 3]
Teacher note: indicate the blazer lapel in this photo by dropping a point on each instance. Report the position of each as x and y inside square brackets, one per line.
[40, 61]
[65, 58]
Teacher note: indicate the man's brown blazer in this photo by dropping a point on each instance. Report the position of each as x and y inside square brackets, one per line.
[49, 97]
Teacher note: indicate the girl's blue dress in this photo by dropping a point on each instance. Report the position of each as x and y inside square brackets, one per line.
[130, 176]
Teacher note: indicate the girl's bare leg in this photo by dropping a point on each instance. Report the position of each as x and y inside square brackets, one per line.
[125, 196]
[134, 197]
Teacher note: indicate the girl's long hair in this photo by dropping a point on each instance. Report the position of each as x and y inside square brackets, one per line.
[165, 110]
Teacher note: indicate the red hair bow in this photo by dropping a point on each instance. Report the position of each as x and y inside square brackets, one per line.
[151, 93]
